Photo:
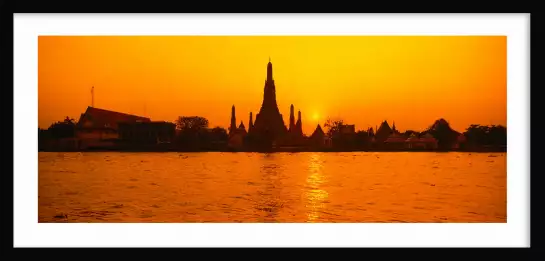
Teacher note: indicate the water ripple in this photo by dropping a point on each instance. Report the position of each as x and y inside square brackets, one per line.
[278, 187]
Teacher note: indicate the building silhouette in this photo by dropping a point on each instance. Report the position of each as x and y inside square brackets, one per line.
[233, 126]
[383, 132]
[299, 126]
[269, 124]
[138, 134]
[318, 138]
[100, 128]
[292, 120]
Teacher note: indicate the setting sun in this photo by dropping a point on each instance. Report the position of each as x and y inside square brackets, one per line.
[315, 116]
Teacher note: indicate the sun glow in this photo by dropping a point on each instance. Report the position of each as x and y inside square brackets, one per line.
[315, 116]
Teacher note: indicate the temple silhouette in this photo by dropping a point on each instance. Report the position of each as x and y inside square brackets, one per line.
[269, 122]
[268, 130]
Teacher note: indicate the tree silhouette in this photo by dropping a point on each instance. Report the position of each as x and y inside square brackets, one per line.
[333, 127]
[343, 140]
[194, 123]
[62, 129]
[481, 135]
[497, 135]
[193, 134]
[475, 134]
[69, 120]
[441, 131]
[220, 132]
[218, 137]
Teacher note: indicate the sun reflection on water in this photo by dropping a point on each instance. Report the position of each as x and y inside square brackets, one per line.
[315, 196]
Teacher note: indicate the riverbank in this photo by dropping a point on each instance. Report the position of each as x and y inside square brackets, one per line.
[279, 150]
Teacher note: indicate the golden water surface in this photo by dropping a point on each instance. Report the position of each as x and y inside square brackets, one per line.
[278, 187]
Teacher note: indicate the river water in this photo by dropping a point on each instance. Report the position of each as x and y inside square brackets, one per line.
[278, 187]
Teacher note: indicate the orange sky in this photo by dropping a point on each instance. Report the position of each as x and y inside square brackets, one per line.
[361, 79]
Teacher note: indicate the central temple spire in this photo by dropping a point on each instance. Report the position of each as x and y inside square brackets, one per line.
[269, 94]
[269, 123]
[269, 71]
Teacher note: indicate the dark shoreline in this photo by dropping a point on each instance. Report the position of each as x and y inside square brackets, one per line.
[275, 151]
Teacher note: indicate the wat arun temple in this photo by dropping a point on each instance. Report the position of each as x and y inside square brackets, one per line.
[269, 131]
